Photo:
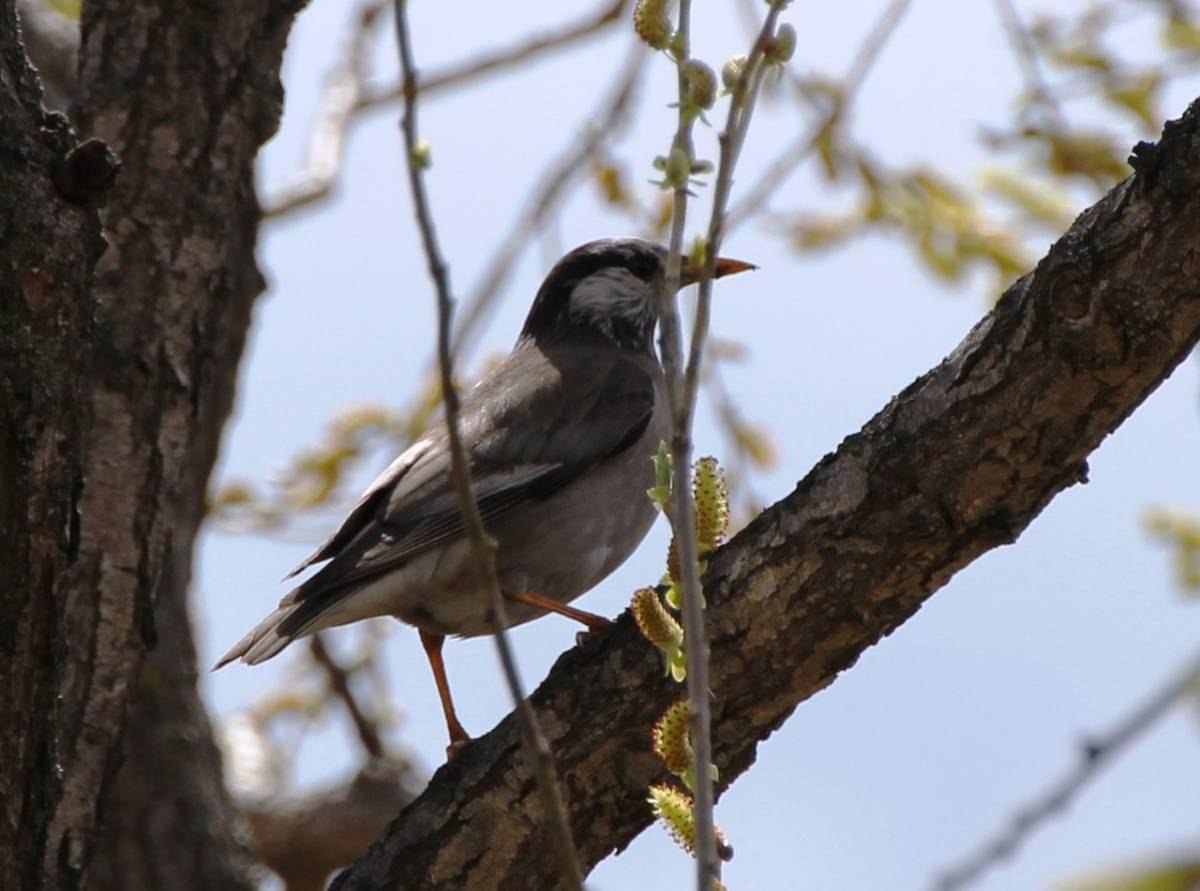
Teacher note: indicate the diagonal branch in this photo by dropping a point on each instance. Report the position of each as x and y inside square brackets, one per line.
[341, 105]
[498, 60]
[339, 685]
[959, 463]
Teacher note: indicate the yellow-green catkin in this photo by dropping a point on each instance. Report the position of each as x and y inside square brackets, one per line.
[651, 23]
[670, 737]
[660, 628]
[675, 809]
[712, 505]
[701, 84]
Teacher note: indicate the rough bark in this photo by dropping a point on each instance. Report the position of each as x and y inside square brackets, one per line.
[957, 464]
[115, 392]
[187, 93]
[46, 337]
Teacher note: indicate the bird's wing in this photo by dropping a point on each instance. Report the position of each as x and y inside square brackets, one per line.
[368, 505]
[527, 436]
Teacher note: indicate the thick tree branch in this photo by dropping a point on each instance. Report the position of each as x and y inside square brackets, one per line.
[958, 464]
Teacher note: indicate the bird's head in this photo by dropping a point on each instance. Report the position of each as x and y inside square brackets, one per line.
[609, 289]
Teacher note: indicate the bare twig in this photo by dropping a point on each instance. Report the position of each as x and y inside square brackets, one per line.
[1094, 754]
[683, 386]
[340, 103]
[862, 64]
[708, 866]
[375, 95]
[339, 682]
[482, 545]
[731, 139]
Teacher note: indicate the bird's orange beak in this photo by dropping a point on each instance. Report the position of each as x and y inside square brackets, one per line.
[726, 266]
[723, 266]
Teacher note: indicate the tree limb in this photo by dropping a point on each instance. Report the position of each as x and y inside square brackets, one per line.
[959, 463]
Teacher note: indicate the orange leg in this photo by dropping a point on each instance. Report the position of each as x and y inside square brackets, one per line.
[433, 652]
[591, 620]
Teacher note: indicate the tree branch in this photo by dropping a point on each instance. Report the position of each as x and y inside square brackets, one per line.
[498, 60]
[305, 838]
[341, 105]
[959, 463]
[339, 685]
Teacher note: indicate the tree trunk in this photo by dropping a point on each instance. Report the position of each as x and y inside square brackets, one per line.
[117, 386]
[49, 246]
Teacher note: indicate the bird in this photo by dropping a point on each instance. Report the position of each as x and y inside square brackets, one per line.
[559, 440]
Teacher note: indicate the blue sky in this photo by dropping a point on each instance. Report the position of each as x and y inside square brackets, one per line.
[922, 749]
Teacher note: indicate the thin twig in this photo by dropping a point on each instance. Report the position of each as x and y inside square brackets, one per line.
[339, 682]
[482, 545]
[708, 866]
[868, 54]
[340, 103]
[375, 95]
[1094, 753]
[856, 75]
[731, 139]
[741, 108]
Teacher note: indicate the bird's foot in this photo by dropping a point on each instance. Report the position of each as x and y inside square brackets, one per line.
[456, 746]
[594, 627]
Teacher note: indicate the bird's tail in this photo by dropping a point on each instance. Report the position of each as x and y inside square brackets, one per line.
[271, 635]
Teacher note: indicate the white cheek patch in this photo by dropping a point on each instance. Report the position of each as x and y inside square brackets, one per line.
[610, 292]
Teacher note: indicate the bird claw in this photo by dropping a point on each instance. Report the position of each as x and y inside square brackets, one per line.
[455, 747]
[593, 629]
